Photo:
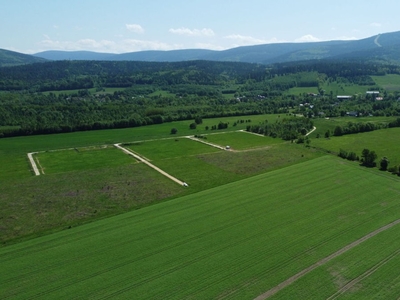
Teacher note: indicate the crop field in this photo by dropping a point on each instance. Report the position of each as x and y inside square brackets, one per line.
[368, 271]
[390, 82]
[79, 159]
[241, 140]
[383, 142]
[235, 241]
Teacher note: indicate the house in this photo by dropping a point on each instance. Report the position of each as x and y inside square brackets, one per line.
[343, 97]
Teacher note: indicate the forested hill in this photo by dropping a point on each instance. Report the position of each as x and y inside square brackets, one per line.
[382, 46]
[11, 58]
[68, 75]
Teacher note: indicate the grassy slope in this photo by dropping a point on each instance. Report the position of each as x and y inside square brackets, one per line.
[383, 142]
[390, 82]
[236, 241]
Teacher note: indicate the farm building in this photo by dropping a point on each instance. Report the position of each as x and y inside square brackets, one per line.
[343, 97]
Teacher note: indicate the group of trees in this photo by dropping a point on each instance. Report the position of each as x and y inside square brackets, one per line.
[286, 128]
[356, 127]
[154, 93]
[368, 159]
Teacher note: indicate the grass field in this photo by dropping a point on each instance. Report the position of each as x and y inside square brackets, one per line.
[384, 142]
[81, 159]
[13, 151]
[170, 148]
[390, 82]
[91, 182]
[323, 124]
[241, 140]
[234, 241]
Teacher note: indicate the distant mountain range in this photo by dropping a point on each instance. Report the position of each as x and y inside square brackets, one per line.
[380, 47]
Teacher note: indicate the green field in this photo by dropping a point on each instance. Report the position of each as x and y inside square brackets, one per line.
[235, 241]
[384, 142]
[81, 159]
[390, 82]
[241, 140]
[373, 266]
[92, 182]
[170, 148]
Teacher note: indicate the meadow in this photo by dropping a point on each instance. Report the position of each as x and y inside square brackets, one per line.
[81, 159]
[234, 241]
[384, 142]
[390, 82]
[241, 140]
[87, 178]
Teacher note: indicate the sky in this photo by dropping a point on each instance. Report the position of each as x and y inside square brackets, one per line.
[120, 26]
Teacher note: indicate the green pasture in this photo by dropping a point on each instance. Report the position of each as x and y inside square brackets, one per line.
[373, 264]
[235, 241]
[390, 82]
[241, 140]
[384, 142]
[170, 148]
[80, 159]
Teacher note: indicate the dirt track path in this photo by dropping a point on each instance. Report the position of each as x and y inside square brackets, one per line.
[150, 165]
[33, 163]
[207, 143]
[292, 279]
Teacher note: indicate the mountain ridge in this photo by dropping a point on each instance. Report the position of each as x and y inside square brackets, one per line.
[379, 47]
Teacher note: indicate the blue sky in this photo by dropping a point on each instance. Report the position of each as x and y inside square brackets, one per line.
[119, 26]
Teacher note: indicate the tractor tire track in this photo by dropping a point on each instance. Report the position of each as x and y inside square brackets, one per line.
[323, 261]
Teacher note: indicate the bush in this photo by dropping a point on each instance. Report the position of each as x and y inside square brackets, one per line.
[174, 131]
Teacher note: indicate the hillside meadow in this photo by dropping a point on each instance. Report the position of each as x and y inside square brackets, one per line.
[234, 241]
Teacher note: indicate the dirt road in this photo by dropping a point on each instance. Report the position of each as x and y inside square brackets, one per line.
[207, 143]
[150, 165]
[33, 163]
[292, 279]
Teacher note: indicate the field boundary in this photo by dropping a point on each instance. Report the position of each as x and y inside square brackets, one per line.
[323, 261]
[182, 183]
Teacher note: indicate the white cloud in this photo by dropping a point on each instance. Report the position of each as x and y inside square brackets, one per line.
[192, 32]
[375, 24]
[136, 28]
[307, 38]
[346, 38]
[209, 46]
[242, 40]
[121, 46]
